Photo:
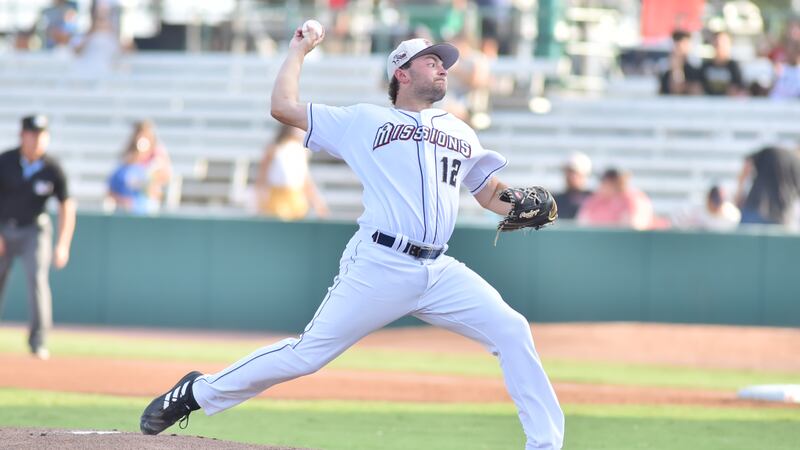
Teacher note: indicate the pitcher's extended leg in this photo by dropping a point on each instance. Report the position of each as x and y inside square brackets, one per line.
[355, 306]
[460, 300]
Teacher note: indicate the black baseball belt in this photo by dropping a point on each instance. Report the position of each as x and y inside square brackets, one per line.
[417, 251]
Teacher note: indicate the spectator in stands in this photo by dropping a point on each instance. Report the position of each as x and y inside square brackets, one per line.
[339, 34]
[157, 159]
[23, 40]
[617, 204]
[129, 184]
[680, 77]
[775, 188]
[791, 35]
[721, 75]
[284, 185]
[138, 184]
[576, 175]
[787, 75]
[28, 178]
[718, 213]
[98, 51]
[110, 11]
[495, 27]
[59, 24]
[468, 82]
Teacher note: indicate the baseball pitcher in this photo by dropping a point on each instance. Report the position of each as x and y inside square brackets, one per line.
[412, 159]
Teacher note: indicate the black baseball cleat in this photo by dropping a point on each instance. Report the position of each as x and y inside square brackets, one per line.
[170, 407]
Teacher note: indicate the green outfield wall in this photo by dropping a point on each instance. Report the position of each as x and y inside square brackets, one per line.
[254, 274]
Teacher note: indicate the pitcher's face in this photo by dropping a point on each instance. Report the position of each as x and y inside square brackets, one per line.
[428, 78]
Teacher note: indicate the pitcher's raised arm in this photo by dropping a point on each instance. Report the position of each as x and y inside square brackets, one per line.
[285, 105]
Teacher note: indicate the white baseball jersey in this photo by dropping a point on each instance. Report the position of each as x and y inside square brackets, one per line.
[412, 164]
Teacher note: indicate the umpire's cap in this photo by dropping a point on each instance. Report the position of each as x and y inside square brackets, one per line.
[413, 48]
[35, 123]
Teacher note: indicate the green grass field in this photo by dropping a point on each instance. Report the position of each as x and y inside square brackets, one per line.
[87, 344]
[386, 426]
[369, 425]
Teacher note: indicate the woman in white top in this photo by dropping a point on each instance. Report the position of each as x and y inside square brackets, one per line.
[99, 50]
[284, 185]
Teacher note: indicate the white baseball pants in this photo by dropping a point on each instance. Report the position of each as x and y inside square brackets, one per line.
[377, 285]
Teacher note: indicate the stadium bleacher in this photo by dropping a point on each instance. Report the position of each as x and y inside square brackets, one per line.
[211, 111]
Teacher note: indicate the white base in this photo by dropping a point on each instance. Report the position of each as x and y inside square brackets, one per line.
[786, 393]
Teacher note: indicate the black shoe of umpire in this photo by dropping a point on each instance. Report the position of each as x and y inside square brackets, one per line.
[170, 407]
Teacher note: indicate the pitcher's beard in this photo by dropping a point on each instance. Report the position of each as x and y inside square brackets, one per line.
[432, 93]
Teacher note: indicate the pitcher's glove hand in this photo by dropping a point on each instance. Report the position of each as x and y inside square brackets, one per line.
[531, 207]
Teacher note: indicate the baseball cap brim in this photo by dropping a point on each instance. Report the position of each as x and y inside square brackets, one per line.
[35, 123]
[448, 53]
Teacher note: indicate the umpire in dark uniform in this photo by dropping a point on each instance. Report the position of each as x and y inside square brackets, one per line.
[28, 177]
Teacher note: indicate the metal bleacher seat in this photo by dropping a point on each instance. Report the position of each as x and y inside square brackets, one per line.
[674, 147]
[211, 111]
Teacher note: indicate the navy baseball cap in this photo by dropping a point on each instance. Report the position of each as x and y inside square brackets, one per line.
[36, 122]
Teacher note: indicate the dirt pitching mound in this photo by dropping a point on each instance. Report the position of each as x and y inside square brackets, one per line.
[41, 439]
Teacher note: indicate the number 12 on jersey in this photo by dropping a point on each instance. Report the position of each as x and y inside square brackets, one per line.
[453, 172]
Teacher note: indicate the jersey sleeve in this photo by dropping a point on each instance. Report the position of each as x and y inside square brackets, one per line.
[487, 164]
[327, 126]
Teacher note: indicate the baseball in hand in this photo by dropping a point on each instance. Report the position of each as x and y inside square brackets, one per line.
[310, 25]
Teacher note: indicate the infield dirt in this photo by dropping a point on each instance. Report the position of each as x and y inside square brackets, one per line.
[46, 439]
[746, 348]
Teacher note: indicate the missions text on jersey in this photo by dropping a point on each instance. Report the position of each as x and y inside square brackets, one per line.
[389, 132]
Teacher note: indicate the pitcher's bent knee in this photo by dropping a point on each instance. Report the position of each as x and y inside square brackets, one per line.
[514, 328]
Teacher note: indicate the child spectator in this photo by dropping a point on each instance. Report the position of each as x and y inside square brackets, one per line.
[137, 184]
